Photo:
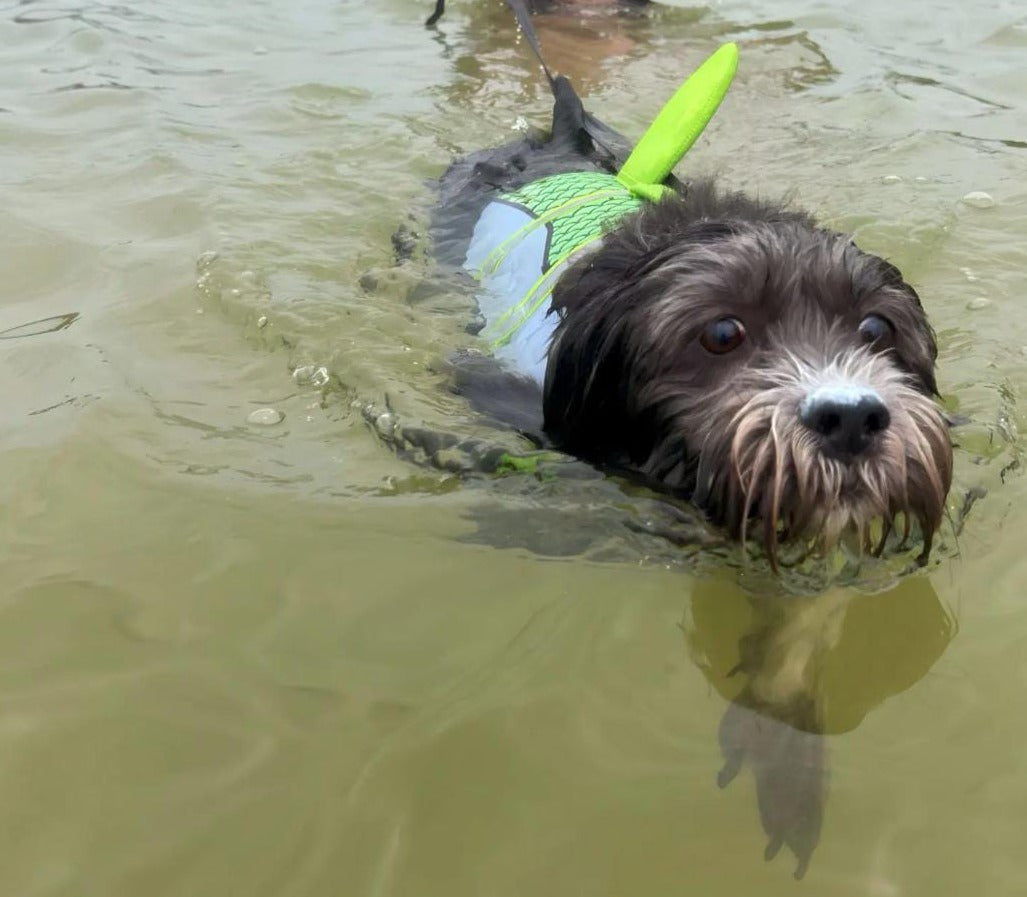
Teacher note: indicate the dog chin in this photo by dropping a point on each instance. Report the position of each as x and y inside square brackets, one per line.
[854, 528]
[855, 521]
[788, 485]
[816, 508]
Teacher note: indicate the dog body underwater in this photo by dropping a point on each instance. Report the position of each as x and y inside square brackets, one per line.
[712, 345]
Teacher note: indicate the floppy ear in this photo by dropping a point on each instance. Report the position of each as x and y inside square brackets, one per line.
[927, 343]
[918, 347]
[915, 349]
[591, 378]
[599, 359]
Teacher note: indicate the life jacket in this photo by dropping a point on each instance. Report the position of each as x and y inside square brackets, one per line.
[525, 240]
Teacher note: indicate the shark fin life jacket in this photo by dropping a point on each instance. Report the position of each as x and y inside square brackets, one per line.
[525, 239]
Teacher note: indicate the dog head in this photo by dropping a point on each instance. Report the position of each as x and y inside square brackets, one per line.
[769, 368]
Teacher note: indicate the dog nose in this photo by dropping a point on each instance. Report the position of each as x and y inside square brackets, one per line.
[847, 417]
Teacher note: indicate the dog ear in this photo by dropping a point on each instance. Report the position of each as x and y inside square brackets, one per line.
[915, 339]
[927, 343]
[915, 345]
[602, 358]
[593, 364]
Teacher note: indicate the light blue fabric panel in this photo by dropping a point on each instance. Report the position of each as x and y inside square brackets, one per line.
[512, 280]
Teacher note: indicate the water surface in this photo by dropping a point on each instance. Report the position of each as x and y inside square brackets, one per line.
[281, 660]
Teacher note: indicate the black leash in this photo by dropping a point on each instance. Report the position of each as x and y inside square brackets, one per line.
[440, 8]
[523, 16]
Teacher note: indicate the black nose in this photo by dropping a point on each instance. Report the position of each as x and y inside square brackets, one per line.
[847, 419]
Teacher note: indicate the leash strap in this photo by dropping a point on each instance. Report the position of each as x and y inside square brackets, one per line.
[440, 8]
[523, 16]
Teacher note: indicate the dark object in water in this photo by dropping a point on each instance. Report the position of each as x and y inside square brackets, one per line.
[440, 8]
[43, 325]
[790, 768]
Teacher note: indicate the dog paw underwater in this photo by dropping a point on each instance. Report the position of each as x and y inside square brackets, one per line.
[705, 344]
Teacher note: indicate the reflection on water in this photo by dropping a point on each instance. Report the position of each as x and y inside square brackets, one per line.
[797, 669]
[796, 662]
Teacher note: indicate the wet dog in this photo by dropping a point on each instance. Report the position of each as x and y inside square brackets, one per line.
[769, 368]
[720, 348]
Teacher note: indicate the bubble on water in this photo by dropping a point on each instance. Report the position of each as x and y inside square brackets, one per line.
[520, 124]
[315, 375]
[206, 259]
[891, 179]
[385, 424]
[260, 51]
[978, 302]
[978, 199]
[920, 179]
[262, 322]
[968, 274]
[265, 417]
[234, 292]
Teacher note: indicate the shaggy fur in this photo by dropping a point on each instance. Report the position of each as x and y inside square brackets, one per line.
[630, 384]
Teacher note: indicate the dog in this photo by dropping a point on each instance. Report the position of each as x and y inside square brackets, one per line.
[712, 345]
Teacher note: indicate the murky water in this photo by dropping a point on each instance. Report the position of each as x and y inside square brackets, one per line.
[240, 658]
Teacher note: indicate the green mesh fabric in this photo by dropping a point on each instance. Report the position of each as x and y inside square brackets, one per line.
[576, 207]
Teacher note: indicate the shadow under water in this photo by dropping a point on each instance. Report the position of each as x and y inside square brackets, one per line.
[797, 669]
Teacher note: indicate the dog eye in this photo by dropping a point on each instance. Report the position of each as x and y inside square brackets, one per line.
[874, 327]
[720, 337]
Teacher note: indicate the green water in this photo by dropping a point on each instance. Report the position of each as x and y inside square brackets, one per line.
[280, 660]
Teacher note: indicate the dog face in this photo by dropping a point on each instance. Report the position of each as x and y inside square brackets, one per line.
[769, 368]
